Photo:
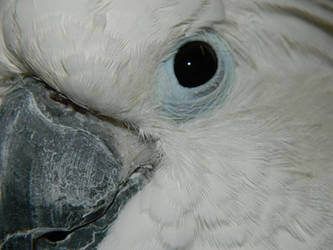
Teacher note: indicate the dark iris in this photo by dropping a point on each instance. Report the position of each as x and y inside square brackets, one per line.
[195, 64]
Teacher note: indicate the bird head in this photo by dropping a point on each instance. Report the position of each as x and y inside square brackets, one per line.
[229, 102]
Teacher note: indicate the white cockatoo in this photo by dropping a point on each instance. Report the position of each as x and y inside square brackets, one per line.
[234, 97]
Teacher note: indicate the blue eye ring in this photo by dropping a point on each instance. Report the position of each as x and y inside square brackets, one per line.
[181, 103]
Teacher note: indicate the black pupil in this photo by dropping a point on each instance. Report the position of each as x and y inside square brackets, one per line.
[195, 64]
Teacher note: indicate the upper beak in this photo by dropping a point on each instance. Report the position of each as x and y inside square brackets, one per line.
[63, 174]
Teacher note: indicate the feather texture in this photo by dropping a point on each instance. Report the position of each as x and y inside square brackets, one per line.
[256, 172]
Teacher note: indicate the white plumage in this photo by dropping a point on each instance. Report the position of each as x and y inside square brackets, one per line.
[256, 172]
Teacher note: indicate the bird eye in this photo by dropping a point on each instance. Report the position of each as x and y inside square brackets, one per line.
[195, 64]
[196, 77]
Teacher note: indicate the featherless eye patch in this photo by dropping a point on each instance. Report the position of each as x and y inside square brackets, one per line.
[196, 78]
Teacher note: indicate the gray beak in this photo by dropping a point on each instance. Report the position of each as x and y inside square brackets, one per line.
[63, 178]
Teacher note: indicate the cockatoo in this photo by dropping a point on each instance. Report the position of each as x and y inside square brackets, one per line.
[225, 108]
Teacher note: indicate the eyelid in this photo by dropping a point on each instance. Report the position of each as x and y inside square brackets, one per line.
[182, 104]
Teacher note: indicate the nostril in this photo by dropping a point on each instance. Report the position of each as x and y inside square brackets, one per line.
[55, 236]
